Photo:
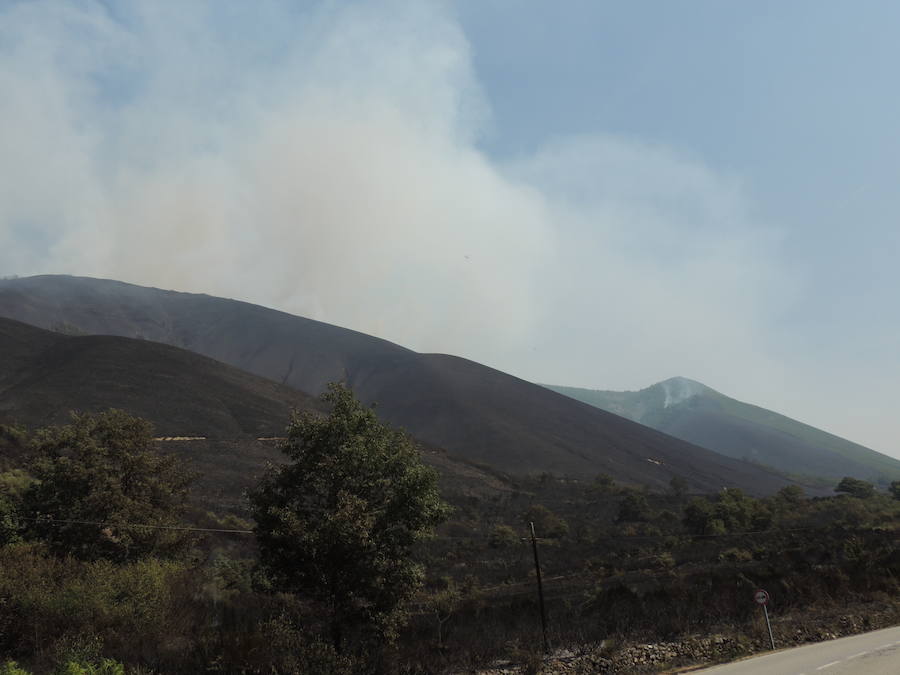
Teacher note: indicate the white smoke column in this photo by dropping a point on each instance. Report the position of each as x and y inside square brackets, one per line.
[326, 162]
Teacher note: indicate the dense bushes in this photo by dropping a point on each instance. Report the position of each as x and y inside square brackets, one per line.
[617, 561]
[70, 616]
[46, 600]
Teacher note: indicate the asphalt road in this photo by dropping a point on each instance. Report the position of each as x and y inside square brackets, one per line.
[876, 653]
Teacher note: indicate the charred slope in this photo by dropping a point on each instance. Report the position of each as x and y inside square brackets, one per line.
[476, 413]
[44, 375]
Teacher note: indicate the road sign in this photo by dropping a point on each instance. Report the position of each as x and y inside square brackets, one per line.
[762, 599]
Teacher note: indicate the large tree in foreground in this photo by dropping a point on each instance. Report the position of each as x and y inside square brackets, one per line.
[338, 522]
[103, 491]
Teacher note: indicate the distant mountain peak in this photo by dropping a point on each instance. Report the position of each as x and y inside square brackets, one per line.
[695, 413]
[679, 389]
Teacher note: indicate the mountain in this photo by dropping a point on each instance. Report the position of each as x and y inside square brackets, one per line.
[477, 414]
[218, 418]
[695, 413]
[44, 375]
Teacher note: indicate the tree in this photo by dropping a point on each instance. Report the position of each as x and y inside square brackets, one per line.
[855, 487]
[739, 512]
[338, 522]
[700, 517]
[791, 495]
[895, 489]
[97, 480]
[444, 602]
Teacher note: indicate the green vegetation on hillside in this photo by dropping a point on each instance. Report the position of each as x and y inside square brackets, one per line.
[620, 564]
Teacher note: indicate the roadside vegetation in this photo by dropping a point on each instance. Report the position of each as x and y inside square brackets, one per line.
[329, 567]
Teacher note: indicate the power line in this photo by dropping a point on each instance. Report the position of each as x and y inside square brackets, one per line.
[180, 528]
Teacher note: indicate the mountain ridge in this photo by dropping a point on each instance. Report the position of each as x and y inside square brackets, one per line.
[475, 413]
[695, 412]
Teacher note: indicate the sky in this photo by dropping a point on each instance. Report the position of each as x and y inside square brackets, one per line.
[598, 194]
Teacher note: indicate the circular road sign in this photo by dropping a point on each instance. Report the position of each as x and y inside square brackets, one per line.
[761, 597]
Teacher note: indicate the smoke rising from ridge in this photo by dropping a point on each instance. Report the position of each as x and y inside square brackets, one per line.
[327, 163]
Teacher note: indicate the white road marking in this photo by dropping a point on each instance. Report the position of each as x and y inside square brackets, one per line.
[889, 644]
[828, 665]
[855, 656]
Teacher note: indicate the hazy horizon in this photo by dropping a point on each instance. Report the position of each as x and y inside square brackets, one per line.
[604, 197]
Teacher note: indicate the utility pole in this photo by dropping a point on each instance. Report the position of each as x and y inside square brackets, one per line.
[537, 569]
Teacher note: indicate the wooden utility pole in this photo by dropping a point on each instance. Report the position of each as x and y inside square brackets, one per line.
[540, 585]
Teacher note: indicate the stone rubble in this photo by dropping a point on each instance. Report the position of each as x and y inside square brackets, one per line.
[665, 656]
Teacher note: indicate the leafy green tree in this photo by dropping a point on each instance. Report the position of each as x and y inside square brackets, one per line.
[97, 481]
[855, 487]
[700, 517]
[338, 522]
[791, 495]
[895, 489]
[739, 512]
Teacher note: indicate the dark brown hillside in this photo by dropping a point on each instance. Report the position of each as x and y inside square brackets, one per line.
[44, 375]
[476, 413]
[512, 423]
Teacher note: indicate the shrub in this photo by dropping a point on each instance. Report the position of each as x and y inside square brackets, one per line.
[546, 523]
[12, 668]
[125, 608]
[103, 667]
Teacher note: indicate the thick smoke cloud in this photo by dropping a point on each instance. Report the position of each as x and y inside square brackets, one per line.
[326, 162]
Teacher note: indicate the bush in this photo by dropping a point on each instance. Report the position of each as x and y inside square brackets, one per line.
[546, 523]
[12, 668]
[855, 487]
[103, 667]
[47, 601]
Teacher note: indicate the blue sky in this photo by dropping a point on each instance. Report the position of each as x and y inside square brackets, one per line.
[589, 193]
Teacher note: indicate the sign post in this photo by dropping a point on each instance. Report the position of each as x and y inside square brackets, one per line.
[762, 598]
